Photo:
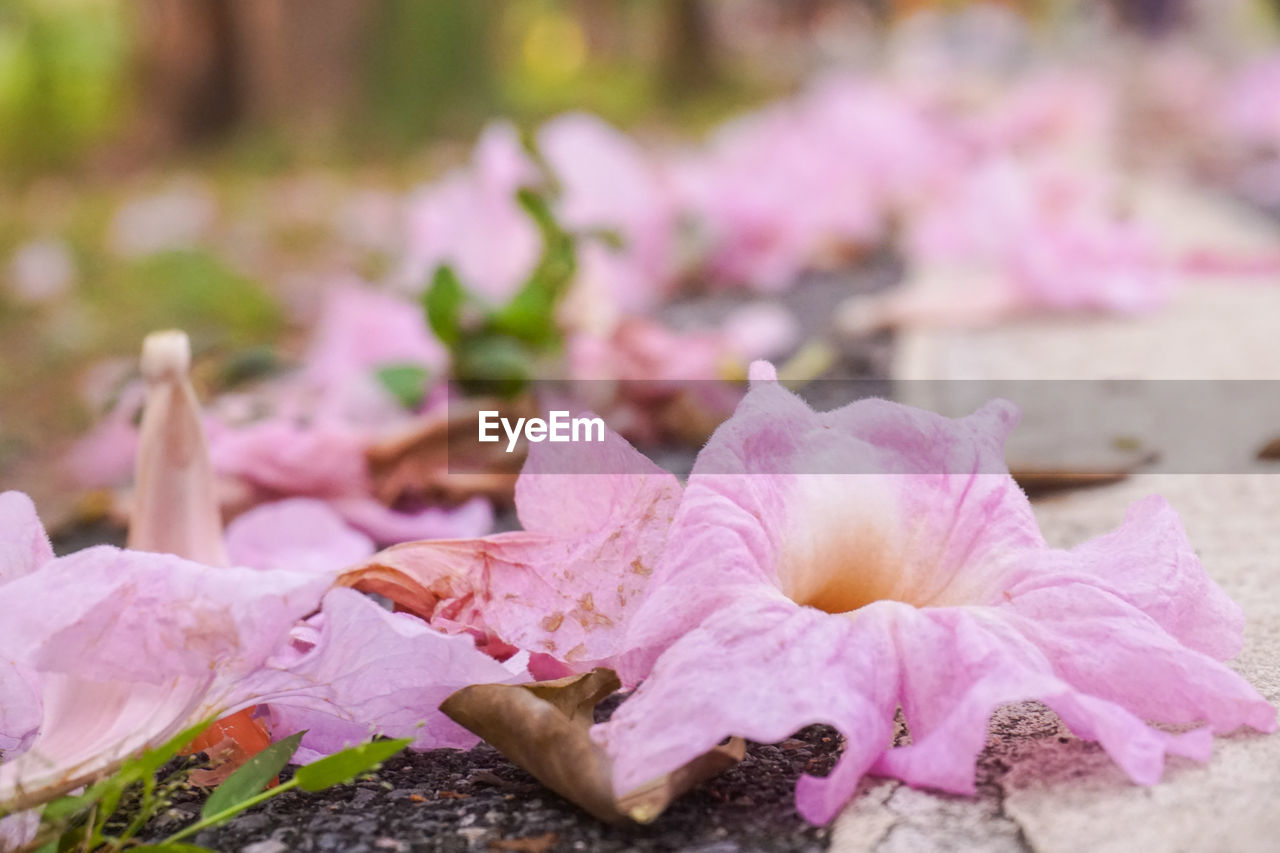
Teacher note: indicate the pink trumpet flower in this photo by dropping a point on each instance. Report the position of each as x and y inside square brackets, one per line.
[106, 651]
[838, 567]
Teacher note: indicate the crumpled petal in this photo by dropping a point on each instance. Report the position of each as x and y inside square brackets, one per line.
[122, 643]
[109, 614]
[19, 709]
[1099, 644]
[958, 665]
[298, 534]
[762, 670]
[24, 546]
[563, 586]
[1149, 563]
[363, 671]
[284, 457]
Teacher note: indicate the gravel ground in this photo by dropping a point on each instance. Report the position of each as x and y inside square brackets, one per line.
[450, 800]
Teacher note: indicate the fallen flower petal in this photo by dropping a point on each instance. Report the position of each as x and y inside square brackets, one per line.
[917, 580]
[122, 643]
[564, 585]
[127, 648]
[301, 534]
[358, 670]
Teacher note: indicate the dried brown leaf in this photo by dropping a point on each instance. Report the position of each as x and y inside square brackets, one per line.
[544, 728]
[440, 458]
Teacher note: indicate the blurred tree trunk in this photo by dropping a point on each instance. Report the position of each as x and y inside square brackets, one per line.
[189, 70]
[689, 64]
[207, 66]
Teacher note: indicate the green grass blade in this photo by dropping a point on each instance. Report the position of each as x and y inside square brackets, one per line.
[346, 765]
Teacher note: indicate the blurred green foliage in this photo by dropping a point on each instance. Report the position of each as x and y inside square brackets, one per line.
[499, 347]
[189, 289]
[63, 65]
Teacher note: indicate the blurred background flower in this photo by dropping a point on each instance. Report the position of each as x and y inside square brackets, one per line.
[223, 165]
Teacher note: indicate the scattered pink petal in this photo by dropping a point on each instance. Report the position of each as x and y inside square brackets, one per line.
[459, 220]
[120, 644]
[359, 331]
[367, 671]
[565, 584]
[299, 534]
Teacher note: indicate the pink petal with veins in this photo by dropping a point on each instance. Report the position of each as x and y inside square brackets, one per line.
[369, 671]
[595, 518]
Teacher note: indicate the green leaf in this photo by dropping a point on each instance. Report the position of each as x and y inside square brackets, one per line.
[65, 808]
[443, 302]
[530, 315]
[406, 382]
[498, 365]
[346, 765]
[252, 776]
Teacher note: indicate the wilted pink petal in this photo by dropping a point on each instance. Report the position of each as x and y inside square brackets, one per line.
[564, 585]
[19, 708]
[834, 567]
[368, 671]
[459, 220]
[110, 614]
[359, 331]
[24, 547]
[1149, 563]
[299, 534]
[288, 458]
[120, 645]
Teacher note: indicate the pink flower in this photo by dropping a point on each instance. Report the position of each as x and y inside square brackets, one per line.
[307, 433]
[607, 182]
[360, 331]
[460, 219]
[835, 567]
[118, 648]
[108, 651]
[1016, 238]
[807, 181]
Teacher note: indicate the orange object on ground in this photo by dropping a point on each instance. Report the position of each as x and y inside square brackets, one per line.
[230, 742]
